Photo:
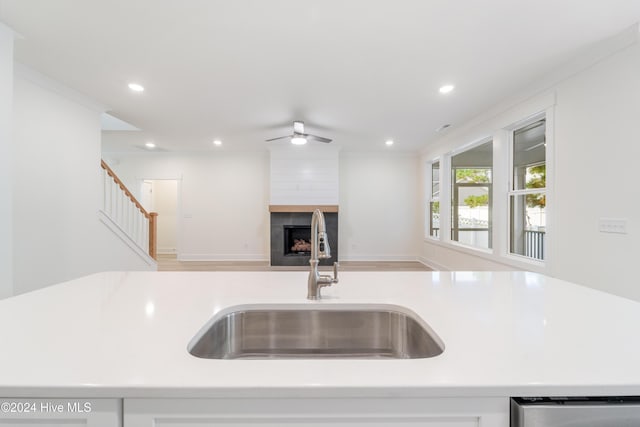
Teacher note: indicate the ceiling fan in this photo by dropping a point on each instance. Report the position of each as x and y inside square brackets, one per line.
[299, 137]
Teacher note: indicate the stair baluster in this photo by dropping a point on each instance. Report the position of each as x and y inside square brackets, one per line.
[125, 210]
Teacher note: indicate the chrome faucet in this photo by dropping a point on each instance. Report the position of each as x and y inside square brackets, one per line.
[319, 250]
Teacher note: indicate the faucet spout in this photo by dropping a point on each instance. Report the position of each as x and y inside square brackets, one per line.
[319, 250]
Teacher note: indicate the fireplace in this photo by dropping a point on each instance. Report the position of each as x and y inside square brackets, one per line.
[291, 238]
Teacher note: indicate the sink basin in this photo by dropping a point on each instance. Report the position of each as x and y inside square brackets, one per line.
[318, 331]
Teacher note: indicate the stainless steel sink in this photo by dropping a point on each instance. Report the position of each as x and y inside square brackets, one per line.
[321, 331]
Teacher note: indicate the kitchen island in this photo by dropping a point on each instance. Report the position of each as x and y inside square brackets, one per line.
[121, 338]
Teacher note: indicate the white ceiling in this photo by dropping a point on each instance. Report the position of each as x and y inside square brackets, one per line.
[356, 71]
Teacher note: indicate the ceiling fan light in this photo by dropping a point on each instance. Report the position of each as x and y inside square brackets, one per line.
[446, 88]
[136, 87]
[298, 140]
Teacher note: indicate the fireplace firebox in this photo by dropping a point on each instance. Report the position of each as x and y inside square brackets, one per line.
[297, 240]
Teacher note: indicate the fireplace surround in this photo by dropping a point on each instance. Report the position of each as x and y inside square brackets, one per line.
[291, 225]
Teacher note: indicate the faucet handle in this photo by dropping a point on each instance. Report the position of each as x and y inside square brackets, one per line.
[335, 272]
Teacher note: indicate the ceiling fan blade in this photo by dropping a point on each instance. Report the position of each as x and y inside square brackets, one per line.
[318, 138]
[280, 137]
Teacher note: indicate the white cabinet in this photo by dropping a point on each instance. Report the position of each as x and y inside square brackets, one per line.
[318, 412]
[60, 412]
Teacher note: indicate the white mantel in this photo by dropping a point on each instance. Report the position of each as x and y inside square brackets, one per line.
[304, 175]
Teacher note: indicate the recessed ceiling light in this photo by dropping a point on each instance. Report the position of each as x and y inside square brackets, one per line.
[298, 140]
[446, 88]
[217, 142]
[150, 145]
[136, 87]
[389, 142]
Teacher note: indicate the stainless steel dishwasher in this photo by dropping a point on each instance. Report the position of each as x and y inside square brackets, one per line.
[619, 411]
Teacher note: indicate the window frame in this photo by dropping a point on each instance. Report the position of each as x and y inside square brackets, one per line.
[431, 199]
[499, 131]
[452, 184]
[512, 192]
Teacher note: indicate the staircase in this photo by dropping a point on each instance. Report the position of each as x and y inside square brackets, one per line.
[126, 217]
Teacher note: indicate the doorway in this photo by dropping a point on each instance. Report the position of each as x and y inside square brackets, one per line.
[161, 196]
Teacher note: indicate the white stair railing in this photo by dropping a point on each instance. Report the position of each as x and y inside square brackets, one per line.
[126, 212]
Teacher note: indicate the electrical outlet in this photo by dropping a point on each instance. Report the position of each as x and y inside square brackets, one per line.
[613, 225]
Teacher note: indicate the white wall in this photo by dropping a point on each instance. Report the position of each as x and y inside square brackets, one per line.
[596, 151]
[304, 175]
[223, 200]
[597, 154]
[6, 162]
[379, 206]
[57, 187]
[164, 198]
[450, 258]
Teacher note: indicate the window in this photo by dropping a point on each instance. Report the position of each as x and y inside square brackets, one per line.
[527, 196]
[471, 191]
[434, 202]
[506, 222]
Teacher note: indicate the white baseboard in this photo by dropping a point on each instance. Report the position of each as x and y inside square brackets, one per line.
[382, 258]
[222, 257]
[166, 251]
[119, 232]
[433, 265]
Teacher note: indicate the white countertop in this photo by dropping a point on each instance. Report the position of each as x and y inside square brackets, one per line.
[505, 333]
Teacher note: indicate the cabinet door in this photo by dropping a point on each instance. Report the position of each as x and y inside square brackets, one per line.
[314, 412]
[60, 412]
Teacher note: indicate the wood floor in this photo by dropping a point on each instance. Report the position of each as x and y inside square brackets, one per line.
[170, 263]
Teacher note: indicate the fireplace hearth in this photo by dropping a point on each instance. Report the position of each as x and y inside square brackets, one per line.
[291, 238]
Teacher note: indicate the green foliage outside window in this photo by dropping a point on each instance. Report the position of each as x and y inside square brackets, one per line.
[475, 176]
[536, 178]
[475, 201]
